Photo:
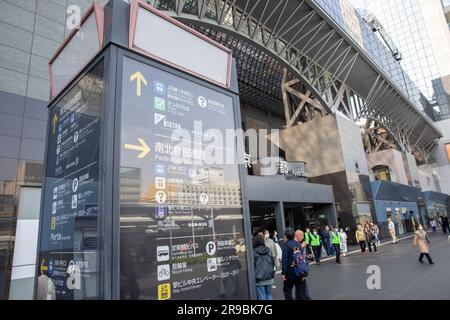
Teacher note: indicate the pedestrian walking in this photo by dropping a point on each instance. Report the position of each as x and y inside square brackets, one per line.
[433, 224]
[264, 269]
[361, 238]
[376, 233]
[279, 254]
[336, 243]
[421, 240]
[270, 244]
[392, 232]
[445, 225]
[326, 238]
[293, 256]
[370, 238]
[343, 236]
[315, 243]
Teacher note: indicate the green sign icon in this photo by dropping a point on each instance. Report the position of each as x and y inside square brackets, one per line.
[160, 104]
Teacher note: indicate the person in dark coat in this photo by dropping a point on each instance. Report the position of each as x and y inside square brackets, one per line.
[289, 278]
[264, 268]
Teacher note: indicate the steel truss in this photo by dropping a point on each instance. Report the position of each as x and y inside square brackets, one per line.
[295, 62]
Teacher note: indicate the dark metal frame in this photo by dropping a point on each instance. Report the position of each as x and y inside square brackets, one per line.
[102, 55]
[119, 54]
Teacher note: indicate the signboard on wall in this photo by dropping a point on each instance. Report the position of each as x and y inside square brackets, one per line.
[68, 243]
[182, 229]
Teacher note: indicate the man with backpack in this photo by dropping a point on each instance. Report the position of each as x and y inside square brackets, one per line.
[295, 266]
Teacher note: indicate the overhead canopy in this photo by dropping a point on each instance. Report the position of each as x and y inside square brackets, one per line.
[303, 36]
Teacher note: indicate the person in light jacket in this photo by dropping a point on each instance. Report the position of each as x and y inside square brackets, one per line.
[361, 238]
[421, 241]
[343, 236]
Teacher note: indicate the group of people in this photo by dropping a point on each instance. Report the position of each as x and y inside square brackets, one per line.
[291, 255]
[329, 242]
[368, 236]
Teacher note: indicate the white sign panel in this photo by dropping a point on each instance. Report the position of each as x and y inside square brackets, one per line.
[168, 40]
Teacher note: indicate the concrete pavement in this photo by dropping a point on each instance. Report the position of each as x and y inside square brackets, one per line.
[402, 276]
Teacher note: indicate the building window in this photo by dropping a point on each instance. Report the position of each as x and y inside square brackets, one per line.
[381, 173]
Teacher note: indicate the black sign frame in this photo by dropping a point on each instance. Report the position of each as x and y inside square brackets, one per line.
[233, 93]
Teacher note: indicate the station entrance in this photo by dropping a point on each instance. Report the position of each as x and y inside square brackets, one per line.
[277, 217]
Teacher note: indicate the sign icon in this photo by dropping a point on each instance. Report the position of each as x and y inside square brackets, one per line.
[163, 272]
[211, 264]
[160, 182]
[160, 169]
[143, 148]
[139, 80]
[159, 118]
[75, 185]
[162, 253]
[211, 248]
[192, 173]
[74, 201]
[58, 149]
[160, 212]
[75, 137]
[164, 291]
[54, 122]
[54, 208]
[53, 223]
[50, 267]
[160, 104]
[72, 117]
[159, 87]
[160, 197]
[204, 198]
[58, 140]
[55, 193]
[202, 102]
[74, 279]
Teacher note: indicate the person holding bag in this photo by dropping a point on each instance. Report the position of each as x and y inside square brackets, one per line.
[421, 240]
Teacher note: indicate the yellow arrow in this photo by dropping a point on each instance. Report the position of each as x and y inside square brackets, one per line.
[139, 80]
[144, 148]
[55, 122]
[43, 268]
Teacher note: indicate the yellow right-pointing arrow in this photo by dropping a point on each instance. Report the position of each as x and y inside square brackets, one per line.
[139, 80]
[144, 148]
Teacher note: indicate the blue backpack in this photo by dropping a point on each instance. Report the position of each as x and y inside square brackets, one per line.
[299, 263]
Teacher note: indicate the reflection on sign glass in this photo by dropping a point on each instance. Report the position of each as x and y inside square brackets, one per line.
[68, 265]
[181, 224]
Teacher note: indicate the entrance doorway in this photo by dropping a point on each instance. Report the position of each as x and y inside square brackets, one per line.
[300, 216]
[263, 217]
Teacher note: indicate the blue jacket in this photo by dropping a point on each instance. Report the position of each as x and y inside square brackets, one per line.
[326, 235]
[286, 258]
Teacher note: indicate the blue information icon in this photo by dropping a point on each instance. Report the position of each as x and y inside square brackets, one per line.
[159, 87]
[160, 169]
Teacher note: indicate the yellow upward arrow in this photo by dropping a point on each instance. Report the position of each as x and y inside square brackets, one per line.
[55, 122]
[139, 80]
[143, 148]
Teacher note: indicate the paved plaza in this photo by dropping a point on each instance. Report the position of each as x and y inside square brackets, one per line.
[402, 276]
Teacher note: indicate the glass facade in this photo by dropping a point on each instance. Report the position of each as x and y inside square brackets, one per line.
[416, 27]
[31, 32]
[352, 22]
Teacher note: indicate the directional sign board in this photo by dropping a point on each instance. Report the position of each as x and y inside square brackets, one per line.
[181, 222]
[68, 243]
